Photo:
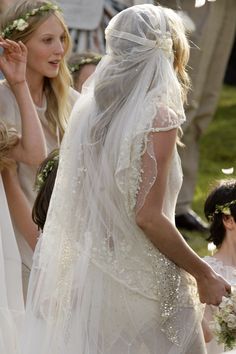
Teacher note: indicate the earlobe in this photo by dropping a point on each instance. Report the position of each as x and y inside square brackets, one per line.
[228, 222]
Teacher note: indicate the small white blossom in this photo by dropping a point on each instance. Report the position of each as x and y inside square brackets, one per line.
[211, 247]
[215, 327]
[21, 24]
[231, 321]
[224, 324]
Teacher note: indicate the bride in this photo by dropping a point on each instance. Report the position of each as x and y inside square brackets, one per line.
[112, 274]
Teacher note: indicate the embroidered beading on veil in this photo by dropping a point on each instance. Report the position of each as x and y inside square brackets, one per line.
[92, 254]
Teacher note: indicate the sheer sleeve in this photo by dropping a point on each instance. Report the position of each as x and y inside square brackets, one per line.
[8, 106]
[137, 168]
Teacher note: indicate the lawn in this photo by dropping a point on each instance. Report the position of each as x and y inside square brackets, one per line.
[217, 151]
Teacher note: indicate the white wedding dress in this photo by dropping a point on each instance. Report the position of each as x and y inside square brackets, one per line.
[98, 285]
[11, 294]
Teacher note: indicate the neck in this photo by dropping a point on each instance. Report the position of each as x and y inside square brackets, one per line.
[227, 251]
[36, 85]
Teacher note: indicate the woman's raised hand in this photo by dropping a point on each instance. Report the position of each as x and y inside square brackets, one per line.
[13, 61]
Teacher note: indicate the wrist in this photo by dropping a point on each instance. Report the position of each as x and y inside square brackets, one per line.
[18, 84]
[203, 271]
[19, 87]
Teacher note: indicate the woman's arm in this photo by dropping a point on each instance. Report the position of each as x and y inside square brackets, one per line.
[31, 148]
[19, 207]
[165, 236]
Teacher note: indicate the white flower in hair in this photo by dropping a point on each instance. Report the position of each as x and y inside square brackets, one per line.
[165, 44]
[21, 24]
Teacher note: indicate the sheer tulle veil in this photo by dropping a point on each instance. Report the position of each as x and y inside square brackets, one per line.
[90, 239]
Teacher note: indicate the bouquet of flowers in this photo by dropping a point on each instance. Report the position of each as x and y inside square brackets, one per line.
[224, 324]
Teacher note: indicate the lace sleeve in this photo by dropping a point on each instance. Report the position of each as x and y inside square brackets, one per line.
[137, 167]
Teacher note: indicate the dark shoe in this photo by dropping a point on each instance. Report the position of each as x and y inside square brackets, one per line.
[191, 221]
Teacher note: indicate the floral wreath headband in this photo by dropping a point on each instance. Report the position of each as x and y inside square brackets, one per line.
[223, 208]
[43, 175]
[76, 67]
[22, 23]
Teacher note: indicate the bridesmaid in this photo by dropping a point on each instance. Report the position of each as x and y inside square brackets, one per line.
[28, 148]
[40, 26]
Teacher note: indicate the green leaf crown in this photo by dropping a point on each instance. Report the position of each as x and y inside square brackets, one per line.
[20, 24]
[223, 209]
[76, 67]
[43, 175]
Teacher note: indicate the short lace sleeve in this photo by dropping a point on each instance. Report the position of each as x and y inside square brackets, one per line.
[166, 119]
[137, 168]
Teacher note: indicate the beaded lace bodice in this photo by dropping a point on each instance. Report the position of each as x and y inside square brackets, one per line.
[142, 263]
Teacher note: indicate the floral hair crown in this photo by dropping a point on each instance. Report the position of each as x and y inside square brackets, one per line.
[223, 208]
[22, 23]
[43, 175]
[76, 67]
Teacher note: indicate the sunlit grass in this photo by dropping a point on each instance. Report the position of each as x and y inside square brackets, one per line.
[217, 151]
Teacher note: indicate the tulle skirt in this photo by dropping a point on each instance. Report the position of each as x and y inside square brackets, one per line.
[111, 319]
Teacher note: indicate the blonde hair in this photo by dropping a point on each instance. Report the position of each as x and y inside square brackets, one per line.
[181, 50]
[8, 139]
[56, 89]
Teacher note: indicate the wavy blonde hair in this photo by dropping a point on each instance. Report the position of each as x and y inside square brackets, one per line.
[56, 89]
[181, 50]
[8, 139]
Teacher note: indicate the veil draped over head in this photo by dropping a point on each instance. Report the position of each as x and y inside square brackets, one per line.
[91, 251]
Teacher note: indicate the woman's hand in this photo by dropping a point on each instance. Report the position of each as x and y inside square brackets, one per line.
[13, 61]
[212, 287]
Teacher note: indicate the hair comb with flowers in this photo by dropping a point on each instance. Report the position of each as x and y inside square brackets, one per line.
[223, 208]
[21, 23]
[43, 175]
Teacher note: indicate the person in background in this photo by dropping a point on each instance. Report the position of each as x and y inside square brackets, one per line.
[211, 44]
[44, 183]
[230, 75]
[4, 4]
[40, 26]
[28, 147]
[82, 66]
[88, 19]
[220, 211]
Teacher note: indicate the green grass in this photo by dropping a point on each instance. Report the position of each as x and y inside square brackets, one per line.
[217, 151]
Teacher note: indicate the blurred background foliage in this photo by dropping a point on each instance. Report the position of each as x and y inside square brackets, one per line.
[217, 151]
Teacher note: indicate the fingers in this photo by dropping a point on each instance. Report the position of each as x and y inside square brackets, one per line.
[12, 46]
[23, 47]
